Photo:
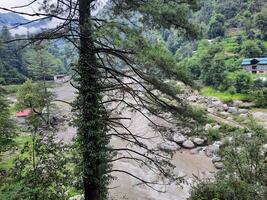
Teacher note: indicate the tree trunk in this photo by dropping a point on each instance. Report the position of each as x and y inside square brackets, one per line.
[91, 118]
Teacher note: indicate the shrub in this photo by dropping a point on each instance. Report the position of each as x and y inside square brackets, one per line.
[213, 134]
[232, 90]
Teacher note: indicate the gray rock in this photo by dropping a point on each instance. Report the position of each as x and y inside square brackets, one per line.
[179, 138]
[210, 110]
[237, 103]
[229, 118]
[225, 107]
[264, 149]
[244, 115]
[218, 165]
[188, 144]
[169, 146]
[198, 141]
[217, 103]
[192, 98]
[217, 127]
[78, 197]
[207, 127]
[225, 114]
[212, 150]
[242, 111]
[233, 110]
[216, 159]
[196, 150]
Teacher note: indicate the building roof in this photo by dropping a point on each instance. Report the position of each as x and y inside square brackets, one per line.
[258, 61]
[23, 113]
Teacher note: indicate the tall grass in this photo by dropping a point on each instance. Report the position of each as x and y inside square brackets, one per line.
[224, 96]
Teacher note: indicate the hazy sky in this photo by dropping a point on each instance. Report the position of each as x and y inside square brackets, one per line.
[29, 9]
[11, 3]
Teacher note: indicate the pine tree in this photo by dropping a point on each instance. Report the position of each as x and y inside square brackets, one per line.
[115, 47]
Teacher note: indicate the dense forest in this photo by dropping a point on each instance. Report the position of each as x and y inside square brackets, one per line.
[18, 59]
[157, 104]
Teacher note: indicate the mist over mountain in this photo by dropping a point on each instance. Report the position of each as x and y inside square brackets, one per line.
[20, 25]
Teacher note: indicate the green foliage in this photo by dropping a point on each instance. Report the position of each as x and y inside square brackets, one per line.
[213, 70]
[217, 26]
[251, 49]
[244, 173]
[7, 128]
[224, 96]
[213, 135]
[243, 82]
[261, 96]
[261, 21]
[42, 65]
[17, 65]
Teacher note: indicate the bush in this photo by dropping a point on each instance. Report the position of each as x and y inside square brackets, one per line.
[260, 97]
[213, 134]
[244, 175]
[228, 189]
[232, 90]
[243, 82]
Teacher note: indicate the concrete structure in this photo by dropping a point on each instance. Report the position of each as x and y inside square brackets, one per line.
[255, 65]
[60, 78]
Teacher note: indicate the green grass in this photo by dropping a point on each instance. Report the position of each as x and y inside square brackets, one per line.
[223, 96]
[7, 158]
[11, 89]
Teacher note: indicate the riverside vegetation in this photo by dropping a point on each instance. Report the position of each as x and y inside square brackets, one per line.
[177, 61]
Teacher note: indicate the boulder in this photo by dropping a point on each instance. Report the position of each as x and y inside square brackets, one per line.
[179, 138]
[242, 111]
[216, 159]
[207, 127]
[225, 107]
[264, 149]
[229, 118]
[218, 165]
[212, 150]
[188, 144]
[169, 146]
[217, 127]
[232, 110]
[78, 197]
[244, 115]
[237, 103]
[210, 110]
[198, 141]
[196, 150]
[192, 98]
[224, 114]
[217, 104]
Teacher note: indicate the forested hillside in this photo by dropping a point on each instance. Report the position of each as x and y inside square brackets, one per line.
[153, 100]
[19, 60]
[229, 32]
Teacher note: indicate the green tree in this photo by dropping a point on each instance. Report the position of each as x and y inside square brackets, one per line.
[251, 49]
[244, 173]
[7, 128]
[45, 67]
[40, 171]
[110, 46]
[243, 82]
[261, 21]
[217, 26]
[213, 69]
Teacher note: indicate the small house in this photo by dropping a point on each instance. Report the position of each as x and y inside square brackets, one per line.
[21, 115]
[59, 78]
[255, 65]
